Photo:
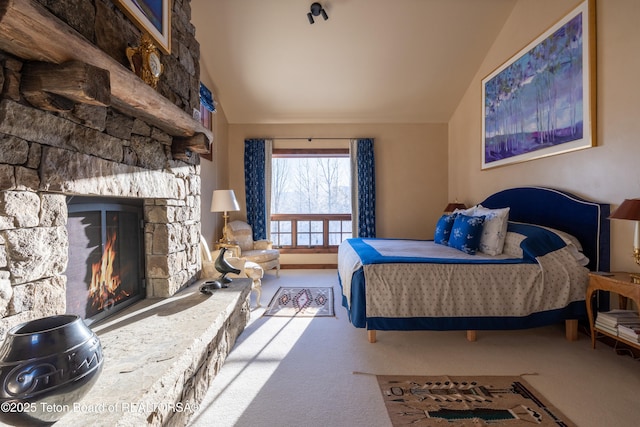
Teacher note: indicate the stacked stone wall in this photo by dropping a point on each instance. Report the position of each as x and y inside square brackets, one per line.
[91, 151]
[105, 25]
[47, 157]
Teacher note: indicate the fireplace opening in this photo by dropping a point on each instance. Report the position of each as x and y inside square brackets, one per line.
[105, 272]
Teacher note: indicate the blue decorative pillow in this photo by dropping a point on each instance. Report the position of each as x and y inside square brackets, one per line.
[443, 229]
[466, 233]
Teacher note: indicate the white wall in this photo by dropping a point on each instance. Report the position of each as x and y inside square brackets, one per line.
[214, 175]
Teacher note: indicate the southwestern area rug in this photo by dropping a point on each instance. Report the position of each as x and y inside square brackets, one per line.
[301, 302]
[466, 401]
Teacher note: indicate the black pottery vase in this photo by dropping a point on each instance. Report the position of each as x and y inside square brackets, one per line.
[46, 365]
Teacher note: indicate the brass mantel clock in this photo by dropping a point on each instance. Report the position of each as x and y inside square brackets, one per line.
[145, 61]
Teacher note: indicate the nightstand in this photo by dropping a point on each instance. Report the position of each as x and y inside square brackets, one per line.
[619, 283]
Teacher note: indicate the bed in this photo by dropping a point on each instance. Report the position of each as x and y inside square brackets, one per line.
[551, 241]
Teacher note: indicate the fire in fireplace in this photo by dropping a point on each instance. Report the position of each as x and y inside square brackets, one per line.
[105, 272]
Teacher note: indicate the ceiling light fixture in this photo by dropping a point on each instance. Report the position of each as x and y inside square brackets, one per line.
[316, 10]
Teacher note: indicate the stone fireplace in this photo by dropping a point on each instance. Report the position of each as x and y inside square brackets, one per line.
[48, 158]
[77, 128]
[120, 146]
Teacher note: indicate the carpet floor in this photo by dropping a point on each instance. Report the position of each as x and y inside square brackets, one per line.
[290, 371]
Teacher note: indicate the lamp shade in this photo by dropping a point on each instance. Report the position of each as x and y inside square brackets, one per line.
[629, 209]
[224, 201]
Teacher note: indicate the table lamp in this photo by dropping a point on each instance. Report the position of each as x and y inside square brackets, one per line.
[630, 210]
[224, 201]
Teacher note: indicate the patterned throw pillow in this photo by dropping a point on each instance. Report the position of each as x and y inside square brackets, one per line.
[443, 229]
[494, 229]
[466, 233]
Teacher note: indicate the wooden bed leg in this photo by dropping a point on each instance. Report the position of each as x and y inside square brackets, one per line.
[372, 336]
[471, 336]
[571, 329]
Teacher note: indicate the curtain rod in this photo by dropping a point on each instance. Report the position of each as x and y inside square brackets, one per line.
[313, 139]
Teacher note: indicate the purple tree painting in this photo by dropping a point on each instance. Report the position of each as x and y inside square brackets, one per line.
[536, 104]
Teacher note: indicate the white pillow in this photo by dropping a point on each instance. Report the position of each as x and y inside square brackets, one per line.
[512, 245]
[568, 238]
[467, 211]
[573, 244]
[495, 229]
[513, 249]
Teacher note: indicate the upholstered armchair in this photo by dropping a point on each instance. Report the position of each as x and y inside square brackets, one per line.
[260, 251]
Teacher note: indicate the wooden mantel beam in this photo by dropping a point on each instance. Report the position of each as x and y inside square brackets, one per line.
[44, 84]
[31, 32]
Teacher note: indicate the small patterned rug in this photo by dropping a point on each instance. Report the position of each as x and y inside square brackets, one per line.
[466, 401]
[301, 302]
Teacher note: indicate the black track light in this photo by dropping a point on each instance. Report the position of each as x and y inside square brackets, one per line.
[316, 10]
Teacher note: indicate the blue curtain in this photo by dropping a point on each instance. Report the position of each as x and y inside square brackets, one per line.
[366, 188]
[254, 182]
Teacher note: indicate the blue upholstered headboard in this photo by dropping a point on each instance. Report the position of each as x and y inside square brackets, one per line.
[583, 219]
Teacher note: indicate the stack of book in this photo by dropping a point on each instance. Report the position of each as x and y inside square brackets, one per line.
[630, 332]
[622, 323]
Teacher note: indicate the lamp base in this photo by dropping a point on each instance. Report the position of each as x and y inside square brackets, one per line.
[225, 238]
[635, 277]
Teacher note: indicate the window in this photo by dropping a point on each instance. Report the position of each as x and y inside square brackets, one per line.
[311, 199]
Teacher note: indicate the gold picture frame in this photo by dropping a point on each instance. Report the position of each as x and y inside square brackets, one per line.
[152, 17]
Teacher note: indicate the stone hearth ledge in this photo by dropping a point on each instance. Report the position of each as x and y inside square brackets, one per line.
[160, 357]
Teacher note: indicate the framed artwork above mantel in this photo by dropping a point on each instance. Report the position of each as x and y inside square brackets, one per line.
[152, 17]
[541, 101]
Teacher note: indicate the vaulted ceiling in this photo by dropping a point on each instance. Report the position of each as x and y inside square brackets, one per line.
[372, 61]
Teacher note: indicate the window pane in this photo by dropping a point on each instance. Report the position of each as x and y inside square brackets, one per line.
[316, 239]
[335, 239]
[283, 226]
[311, 185]
[285, 240]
